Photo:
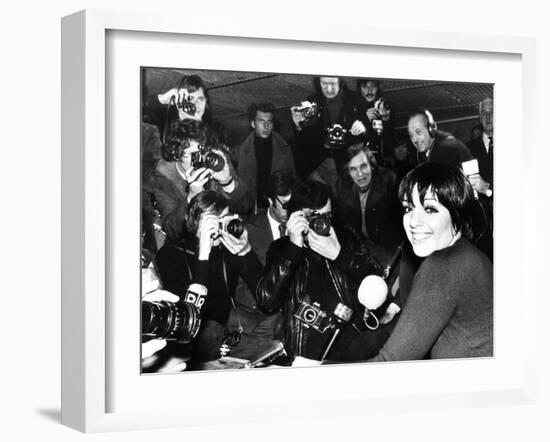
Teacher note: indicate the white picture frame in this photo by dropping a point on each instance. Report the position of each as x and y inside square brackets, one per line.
[88, 255]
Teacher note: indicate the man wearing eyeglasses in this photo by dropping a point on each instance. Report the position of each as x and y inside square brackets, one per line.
[313, 274]
[263, 152]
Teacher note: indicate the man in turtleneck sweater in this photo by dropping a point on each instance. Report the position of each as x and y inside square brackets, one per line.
[263, 152]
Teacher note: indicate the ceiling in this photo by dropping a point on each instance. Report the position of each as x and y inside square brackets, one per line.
[232, 92]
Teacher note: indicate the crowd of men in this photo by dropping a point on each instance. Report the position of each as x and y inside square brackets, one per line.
[270, 241]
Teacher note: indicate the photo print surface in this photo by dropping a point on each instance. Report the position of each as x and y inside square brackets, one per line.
[296, 220]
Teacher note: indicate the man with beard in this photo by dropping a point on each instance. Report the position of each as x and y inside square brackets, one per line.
[382, 139]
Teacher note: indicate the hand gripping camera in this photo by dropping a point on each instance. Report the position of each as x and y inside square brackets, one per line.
[312, 316]
[384, 109]
[319, 222]
[336, 135]
[310, 111]
[185, 105]
[233, 225]
[174, 321]
[207, 158]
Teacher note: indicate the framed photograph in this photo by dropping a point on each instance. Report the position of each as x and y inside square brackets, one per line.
[112, 62]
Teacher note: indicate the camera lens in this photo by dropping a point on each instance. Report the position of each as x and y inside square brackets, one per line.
[235, 227]
[321, 224]
[189, 108]
[171, 321]
[214, 161]
[309, 315]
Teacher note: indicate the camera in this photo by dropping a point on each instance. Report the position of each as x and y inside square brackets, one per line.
[233, 225]
[336, 135]
[207, 158]
[383, 107]
[310, 110]
[319, 222]
[174, 321]
[186, 106]
[312, 316]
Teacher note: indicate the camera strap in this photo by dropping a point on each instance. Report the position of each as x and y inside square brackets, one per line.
[171, 103]
[240, 328]
[337, 287]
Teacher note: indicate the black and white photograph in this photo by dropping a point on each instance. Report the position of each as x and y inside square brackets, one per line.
[292, 220]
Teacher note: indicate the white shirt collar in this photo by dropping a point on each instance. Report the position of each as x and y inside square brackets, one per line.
[274, 226]
[485, 138]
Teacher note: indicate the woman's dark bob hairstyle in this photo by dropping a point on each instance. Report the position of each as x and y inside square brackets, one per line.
[451, 188]
[207, 201]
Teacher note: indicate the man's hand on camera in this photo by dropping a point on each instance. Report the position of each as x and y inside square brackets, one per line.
[296, 226]
[357, 128]
[180, 99]
[150, 348]
[207, 231]
[479, 183]
[236, 246]
[326, 246]
[297, 116]
[197, 178]
[373, 114]
[165, 97]
[224, 176]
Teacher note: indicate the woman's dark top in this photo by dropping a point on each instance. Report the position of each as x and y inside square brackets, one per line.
[449, 310]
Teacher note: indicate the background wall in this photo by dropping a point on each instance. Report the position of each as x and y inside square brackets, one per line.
[30, 315]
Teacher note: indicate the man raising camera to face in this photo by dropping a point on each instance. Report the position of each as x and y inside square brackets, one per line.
[189, 166]
[312, 276]
[214, 254]
[326, 123]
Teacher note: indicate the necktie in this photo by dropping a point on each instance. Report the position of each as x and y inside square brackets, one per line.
[490, 151]
[282, 229]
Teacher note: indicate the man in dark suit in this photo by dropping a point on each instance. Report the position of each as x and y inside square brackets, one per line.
[482, 149]
[263, 228]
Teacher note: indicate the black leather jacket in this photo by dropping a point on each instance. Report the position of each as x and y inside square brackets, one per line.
[288, 267]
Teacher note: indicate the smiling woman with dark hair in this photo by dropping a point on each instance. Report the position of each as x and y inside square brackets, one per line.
[448, 311]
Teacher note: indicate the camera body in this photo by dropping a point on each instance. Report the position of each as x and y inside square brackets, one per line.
[311, 111]
[207, 158]
[383, 107]
[320, 223]
[312, 316]
[186, 106]
[232, 224]
[174, 321]
[336, 135]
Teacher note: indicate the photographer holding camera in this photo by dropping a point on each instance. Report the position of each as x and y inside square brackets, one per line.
[313, 275]
[326, 124]
[214, 255]
[187, 168]
[380, 117]
[188, 101]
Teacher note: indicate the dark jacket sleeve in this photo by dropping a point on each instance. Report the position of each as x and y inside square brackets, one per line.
[172, 208]
[174, 270]
[281, 263]
[248, 267]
